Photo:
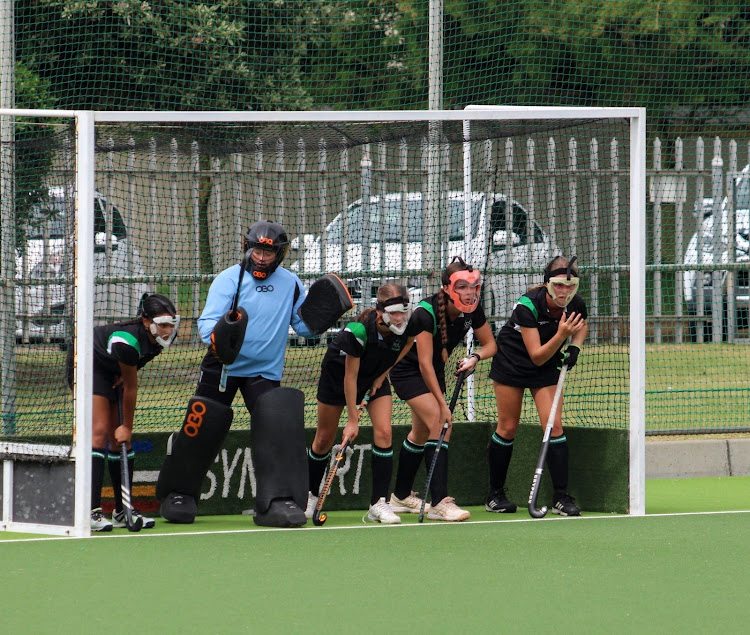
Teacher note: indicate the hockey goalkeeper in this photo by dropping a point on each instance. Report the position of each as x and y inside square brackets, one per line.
[245, 322]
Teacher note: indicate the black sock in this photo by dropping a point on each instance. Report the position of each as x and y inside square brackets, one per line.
[409, 459]
[113, 463]
[382, 470]
[557, 461]
[501, 450]
[316, 467]
[97, 476]
[439, 483]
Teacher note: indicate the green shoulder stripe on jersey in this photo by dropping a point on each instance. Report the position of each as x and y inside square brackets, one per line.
[526, 301]
[359, 331]
[428, 307]
[125, 338]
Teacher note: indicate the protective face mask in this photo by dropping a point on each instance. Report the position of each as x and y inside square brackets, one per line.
[164, 319]
[572, 287]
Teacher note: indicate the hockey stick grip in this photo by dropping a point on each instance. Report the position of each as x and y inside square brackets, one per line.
[537, 480]
[454, 399]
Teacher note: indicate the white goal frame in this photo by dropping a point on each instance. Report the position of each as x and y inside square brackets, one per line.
[84, 281]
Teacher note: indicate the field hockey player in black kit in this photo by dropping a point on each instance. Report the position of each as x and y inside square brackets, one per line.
[357, 362]
[120, 351]
[444, 319]
[530, 355]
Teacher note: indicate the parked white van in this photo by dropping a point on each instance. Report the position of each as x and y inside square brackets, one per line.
[46, 261]
[530, 247]
[701, 251]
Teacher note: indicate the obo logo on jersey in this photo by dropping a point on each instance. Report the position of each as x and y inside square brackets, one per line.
[264, 288]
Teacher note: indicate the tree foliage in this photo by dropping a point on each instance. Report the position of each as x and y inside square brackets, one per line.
[665, 55]
[169, 54]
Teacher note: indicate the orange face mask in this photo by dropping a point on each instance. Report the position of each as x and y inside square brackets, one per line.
[462, 282]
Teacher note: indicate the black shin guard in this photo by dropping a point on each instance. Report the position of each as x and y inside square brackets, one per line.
[439, 482]
[277, 442]
[557, 461]
[190, 453]
[409, 459]
[316, 468]
[501, 450]
[382, 470]
[97, 476]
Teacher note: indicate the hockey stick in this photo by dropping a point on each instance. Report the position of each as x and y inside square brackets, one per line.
[319, 516]
[235, 302]
[127, 505]
[541, 513]
[456, 391]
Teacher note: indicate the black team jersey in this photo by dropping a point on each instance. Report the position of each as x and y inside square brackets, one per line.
[531, 311]
[126, 343]
[426, 316]
[376, 352]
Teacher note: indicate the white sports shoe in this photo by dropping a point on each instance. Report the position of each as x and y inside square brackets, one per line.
[447, 510]
[119, 519]
[98, 521]
[409, 505]
[381, 512]
[312, 501]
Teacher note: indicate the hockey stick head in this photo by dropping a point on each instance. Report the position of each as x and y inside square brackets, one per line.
[533, 511]
[319, 518]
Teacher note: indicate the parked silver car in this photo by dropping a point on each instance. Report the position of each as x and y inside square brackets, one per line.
[493, 245]
[45, 262]
[702, 251]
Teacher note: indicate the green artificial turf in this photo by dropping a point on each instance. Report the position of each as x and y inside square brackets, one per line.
[599, 573]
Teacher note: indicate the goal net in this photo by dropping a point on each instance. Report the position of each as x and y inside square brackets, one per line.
[99, 210]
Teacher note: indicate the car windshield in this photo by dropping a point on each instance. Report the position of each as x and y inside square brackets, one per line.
[392, 228]
[47, 220]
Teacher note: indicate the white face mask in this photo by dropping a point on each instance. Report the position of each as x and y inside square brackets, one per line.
[398, 329]
[164, 319]
[571, 288]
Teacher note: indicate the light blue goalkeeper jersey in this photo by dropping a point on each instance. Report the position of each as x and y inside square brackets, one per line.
[271, 309]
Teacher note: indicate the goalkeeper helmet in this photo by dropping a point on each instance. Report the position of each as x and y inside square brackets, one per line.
[268, 236]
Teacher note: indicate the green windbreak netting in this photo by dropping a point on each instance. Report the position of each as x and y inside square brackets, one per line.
[686, 62]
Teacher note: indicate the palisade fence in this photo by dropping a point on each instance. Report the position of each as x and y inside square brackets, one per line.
[699, 183]
[698, 377]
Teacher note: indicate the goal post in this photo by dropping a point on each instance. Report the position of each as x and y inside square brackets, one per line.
[127, 202]
[637, 275]
[46, 471]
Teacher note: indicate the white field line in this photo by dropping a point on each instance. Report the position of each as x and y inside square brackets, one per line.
[150, 534]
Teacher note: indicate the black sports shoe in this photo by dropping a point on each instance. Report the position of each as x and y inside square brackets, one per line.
[498, 502]
[282, 512]
[563, 504]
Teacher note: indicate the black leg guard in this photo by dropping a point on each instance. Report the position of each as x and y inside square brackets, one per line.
[277, 441]
[189, 455]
